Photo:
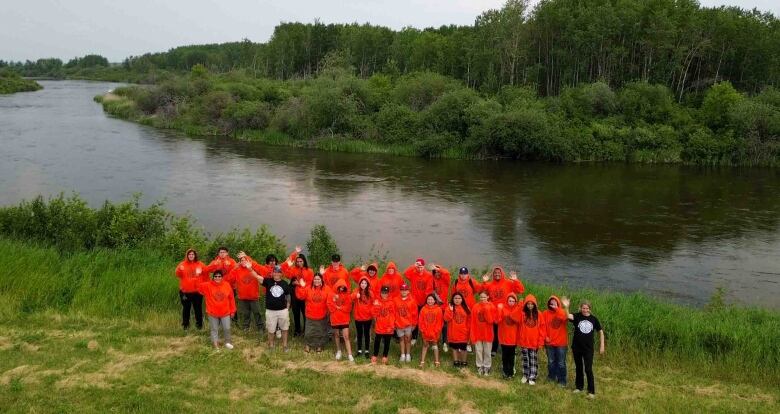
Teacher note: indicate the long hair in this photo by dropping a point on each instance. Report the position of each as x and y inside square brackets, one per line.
[305, 262]
[462, 302]
[365, 293]
[531, 314]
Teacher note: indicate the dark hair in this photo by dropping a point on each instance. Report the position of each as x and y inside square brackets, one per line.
[531, 314]
[188, 253]
[305, 262]
[462, 302]
[271, 257]
[217, 272]
[335, 257]
[367, 291]
[431, 295]
[321, 280]
[222, 248]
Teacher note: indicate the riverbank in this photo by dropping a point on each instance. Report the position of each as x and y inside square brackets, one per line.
[12, 83]
[430, 115]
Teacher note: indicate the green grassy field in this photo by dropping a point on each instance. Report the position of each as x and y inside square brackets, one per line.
[97, 331]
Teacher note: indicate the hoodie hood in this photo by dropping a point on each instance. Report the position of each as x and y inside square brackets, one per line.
[510, 295]
[500, 269]
[532, 299]
[391, 265]
[374, 266]
[556, 300]
[359, 282]
[187, 253]
[340, 283]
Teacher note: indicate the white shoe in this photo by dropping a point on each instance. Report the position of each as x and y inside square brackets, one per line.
[524, 380]
[338, 355]
[414, 341]
[576, 391]
[408, 357]
[278, 333]
[591, 396]
[350, 358]
[531, 382]
[228, 346]
[403, 358]
[444, 347]
[468, 348]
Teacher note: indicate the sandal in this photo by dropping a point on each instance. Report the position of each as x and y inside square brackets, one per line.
[436, 364]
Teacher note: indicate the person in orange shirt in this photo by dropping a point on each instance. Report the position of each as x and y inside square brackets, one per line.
[220, 305]
[498, 288]
[430, 322]
[405, 321]
[421, 283]
[297, 267]
[392, 279]
[458, 318]
[334, 272]
[224, 263]
[316, 312]
[364, 297]
[556, 339]
[248, 291]
[441, 288]
[467, 286]
[191, 273]
[483, 316]
[531, 338]
[508, 327]
[384, 323]
[340, 309]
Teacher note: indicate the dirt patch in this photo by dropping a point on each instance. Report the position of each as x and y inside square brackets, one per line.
[365, 404]
[111, 97]
[28, 347]
[252, 354]
[240, 393]
[409, 410]
[429, 377]
[93, 345]
[279, 397]
[5, 343]
[149, 388]
[464, 407]
[22, 372]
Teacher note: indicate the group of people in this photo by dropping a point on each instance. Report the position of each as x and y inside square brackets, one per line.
[421, 303]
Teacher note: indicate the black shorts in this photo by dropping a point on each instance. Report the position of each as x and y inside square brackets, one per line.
[340, 327]
[458, 346]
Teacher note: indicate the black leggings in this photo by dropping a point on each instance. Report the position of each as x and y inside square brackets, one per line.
[299, 312]
[583, 360]
[363, 334]
[385, 338]
[508, 360]
[191, 300]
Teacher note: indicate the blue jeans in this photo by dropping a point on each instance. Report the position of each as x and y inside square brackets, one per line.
[556, 363]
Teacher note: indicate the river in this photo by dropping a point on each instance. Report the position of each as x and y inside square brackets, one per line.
[675, 232]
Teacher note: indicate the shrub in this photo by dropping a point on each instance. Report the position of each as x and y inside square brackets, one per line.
[418, 90]
[248, 115]
[449, 113]
[718, 102]
[397, 124]
[321, 246]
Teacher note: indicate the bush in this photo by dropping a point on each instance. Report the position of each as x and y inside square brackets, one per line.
[524, 134]
[321, 246]
[433, 145]
[449, 113]
[641, 101]
[589, 101]
[248, 115]
[704, 148]
[256, 244]
[421, 89]
[397, 124]
[718, 102]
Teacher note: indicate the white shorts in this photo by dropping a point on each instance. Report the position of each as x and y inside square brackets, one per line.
[277, 318]
[404, 331]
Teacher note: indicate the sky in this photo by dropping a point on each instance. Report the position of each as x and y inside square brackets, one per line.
[31, 29]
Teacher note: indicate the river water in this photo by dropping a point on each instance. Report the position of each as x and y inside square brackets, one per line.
[675, 232]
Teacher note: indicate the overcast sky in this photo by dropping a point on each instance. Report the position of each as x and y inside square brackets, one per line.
[30, 29]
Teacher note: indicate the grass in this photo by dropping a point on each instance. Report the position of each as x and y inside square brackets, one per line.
[11, 83]
[98, 330]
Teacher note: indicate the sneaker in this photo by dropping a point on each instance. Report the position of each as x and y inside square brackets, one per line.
[487, 371]
[408, 357]
[576, 390]
[360, 352]
[373, 360]
[444, 347]
[228, 346]
[351, 358]
[591, 396]
[287, 350]
[523, 380]
[384, 360]
[480, 371]
[338, 355]
[402, 358]
[493, 354]
[531, 382]
[468, 348]
[278, 333]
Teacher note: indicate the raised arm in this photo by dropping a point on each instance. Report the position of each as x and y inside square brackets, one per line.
[565, 302]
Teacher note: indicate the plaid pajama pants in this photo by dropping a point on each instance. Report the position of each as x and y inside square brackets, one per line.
[530, 365]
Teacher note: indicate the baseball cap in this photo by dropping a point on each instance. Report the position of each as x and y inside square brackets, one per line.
[404, 287]
[385, 289]
[463, 270]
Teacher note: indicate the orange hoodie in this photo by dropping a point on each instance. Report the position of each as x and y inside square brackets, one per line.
[316, 300]
[219, 298]
[483, 315]
[554, 322]
[509, 322]
[421, 283]
[191, 274]
[468, 288]
[441, 283]
[247, 287]
[358, 274]
[405, 312]
[430, 322]
[294, 272]
[330, 276]
[497, 289]
[340, 304]
[365, 303]
[458, 324]
[531, 331]
[384, 315]
[225, 265]
[394, 281]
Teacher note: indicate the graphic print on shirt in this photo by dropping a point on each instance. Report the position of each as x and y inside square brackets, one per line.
[247, 279]
[481, 316]
[529, 322]
[277, 291]
[585, 326]
[460, 318]
[219, 296]
[556, 323]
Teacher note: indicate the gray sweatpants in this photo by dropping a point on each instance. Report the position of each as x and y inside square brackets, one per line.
[248, 309]
[214, 326]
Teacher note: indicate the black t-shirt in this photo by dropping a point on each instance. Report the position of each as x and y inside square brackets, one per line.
[275, 298]
[584, 327]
